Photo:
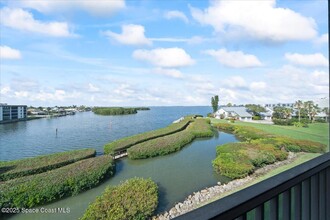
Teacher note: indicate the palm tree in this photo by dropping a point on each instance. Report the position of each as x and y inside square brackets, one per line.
[299, 105]
[315, 110]
[287, 112]
[326, 111]
[309, 105]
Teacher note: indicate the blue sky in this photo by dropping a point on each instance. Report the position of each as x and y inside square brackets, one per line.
[162, 53]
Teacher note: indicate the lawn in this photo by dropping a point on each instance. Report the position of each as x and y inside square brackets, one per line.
[315, 132]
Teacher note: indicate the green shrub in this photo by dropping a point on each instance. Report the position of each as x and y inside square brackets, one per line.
[24, 167]
[237, 160]
[210, 115]
[233, 165]
[160, 146]
[201, 128]
[225, 127]
[320, 120]
[171, 143]
[256, 117]
[300, 124]
[135, 198]
[286, 122]
[250, 133]
[293, 148]
[127, 142]
[293, 144]
[33, 190]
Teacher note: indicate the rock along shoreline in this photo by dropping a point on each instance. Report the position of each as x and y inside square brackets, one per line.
[207, 195]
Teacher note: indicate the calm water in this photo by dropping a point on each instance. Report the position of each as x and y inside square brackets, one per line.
[177, 175]
[83, 130]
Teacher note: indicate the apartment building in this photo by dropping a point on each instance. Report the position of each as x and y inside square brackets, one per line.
[12, 113]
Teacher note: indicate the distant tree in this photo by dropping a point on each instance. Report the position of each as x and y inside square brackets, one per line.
[326, 112]
[299, 105]
[215, 103]
[229, 105]
[287, 112]
[279, 112]
[314, 112]
[255, 109]
[309, 107]
[40, 108]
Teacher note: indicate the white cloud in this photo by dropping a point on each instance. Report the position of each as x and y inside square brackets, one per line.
[320, 78]
[176, 15]
[323, 39]
[168, 72]
[258, 19]
[316, 59]
[92, 88]
[22, 94]
[235, 59]
[57, 95]
[101, 8]
[258, 85]
[292, 83]
[24, 21]
[131, 35]
[192, 40]
[9, 53]
[235, 82]
[4, 90]
[165, 57]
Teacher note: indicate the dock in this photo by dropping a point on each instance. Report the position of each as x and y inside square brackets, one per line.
[120, 154]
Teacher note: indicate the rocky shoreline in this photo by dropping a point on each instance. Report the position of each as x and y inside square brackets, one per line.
[207, 195]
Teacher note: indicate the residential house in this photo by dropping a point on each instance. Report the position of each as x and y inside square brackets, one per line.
[239, 113]
[267, 115]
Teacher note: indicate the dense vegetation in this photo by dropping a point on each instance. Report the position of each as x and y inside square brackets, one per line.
[117, 110]
[171, 143]
[33, 190]
[135, 198]
[239, 159]
[243, 132]
[18, 168]
[124, 143]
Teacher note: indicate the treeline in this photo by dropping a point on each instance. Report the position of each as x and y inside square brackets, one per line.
[117, 110]
[300, 115]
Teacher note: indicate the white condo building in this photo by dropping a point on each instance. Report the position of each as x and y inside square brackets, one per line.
[11, 113]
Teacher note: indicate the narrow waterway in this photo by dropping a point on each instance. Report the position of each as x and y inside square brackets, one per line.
[177, 176]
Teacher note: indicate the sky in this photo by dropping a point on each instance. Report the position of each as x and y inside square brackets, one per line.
[162, 53]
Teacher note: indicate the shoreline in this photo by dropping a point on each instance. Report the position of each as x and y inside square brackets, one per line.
[210, 194]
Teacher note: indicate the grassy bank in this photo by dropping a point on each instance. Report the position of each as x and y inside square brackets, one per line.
[19, 168]
[124, 143]
[135, 198]
[318, 132]
[171, 143]
[117, 110]
[237, 160]
[33, 190]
